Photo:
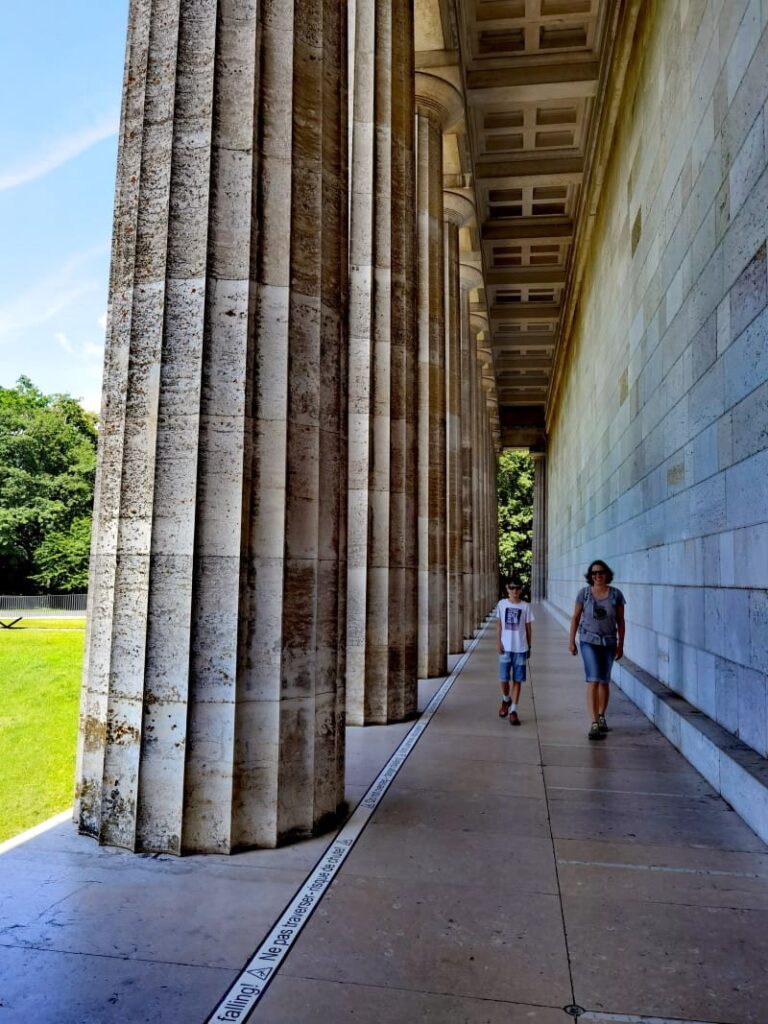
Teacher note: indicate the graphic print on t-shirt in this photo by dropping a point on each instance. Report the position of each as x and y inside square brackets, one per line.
[513, 623]
[512, 618]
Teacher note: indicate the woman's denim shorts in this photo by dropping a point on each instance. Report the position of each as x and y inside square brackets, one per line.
[598, 661]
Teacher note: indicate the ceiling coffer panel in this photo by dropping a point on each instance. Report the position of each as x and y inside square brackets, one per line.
[531, 70]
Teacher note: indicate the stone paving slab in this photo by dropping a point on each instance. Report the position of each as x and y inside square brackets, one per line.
[462, 940]
[454, 858]
[506, 873]
[669, 960]
[74, 988]
[296, 999]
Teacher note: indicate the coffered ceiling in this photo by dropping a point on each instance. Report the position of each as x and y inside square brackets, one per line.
[530, 71]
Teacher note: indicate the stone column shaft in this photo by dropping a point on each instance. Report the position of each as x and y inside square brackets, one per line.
[212, 712]
[477, 462]
[381, 668]
[431, 327]
[458, 211]
[404, 557]
[454, 549]
[468, 624]
[470, 277]
[493, 521]
[438, 106]
[539, 553]
[486, 505]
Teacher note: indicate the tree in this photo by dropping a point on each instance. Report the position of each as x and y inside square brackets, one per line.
[47, 470]
[514, 481]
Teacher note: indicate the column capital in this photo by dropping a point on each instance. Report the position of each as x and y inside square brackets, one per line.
[458, 207]
[439, 100]
[471, 276]
[485, 357]
[478, 320]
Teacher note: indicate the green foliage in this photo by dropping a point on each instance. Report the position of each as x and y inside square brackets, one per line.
[62, 558]
[514, 480]
[39, 687]
[47, 470]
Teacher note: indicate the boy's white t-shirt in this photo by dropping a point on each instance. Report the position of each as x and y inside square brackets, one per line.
[513, 618]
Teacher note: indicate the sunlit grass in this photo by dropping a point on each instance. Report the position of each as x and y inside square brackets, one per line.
[40, 666]
[53, 622]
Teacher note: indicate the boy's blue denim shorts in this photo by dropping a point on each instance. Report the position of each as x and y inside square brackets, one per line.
[512, 665]
[598, 662]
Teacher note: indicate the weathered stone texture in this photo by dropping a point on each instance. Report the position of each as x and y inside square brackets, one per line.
[468, 280]
[438, 106]
[454, 549]
[213, 699]
[381, 611]
[658, 449]
[431, 447]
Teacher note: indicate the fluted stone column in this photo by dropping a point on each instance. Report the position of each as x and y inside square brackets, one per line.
[476, 474]
[492, 517]
[486, 486]
[471, 278]
[539, 553]
[382, 595]
[458, 210]
[479, 327]
[213, 701]
[439, 107]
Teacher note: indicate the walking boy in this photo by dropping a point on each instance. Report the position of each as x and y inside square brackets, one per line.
[513, 636]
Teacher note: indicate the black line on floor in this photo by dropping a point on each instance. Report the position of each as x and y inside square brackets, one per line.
[242, 997]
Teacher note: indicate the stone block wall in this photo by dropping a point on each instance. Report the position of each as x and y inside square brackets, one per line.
[658, 448]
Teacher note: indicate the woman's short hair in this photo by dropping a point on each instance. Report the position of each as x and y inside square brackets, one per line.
[603, 565]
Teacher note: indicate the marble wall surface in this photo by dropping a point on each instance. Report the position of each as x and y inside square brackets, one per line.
[658, 454]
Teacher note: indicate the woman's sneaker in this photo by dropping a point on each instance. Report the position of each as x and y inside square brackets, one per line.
[604, 727]
[595, 732]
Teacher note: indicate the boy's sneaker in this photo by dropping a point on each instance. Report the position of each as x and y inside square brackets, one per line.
[513, 719]
[504, 709]
[602, 724]
[595, 732]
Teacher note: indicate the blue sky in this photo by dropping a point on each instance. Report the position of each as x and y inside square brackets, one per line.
[61, 67]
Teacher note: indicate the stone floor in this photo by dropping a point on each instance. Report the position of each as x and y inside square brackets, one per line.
[506, 874]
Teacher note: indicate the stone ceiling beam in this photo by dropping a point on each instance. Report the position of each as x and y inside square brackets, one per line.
[533, 173]
[510, 364]
[533, 83]
[551, 277]
[531, 311]
[538, 341]
[534, 231]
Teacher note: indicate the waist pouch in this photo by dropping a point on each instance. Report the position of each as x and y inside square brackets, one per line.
[597, 639]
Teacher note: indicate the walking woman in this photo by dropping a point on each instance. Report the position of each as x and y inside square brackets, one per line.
[599, 618]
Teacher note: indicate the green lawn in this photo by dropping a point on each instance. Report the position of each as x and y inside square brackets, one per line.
[40, 666]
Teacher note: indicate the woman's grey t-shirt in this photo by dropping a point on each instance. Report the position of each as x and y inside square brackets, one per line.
[598, 622]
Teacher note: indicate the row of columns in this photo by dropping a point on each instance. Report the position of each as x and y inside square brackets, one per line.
[295, 500]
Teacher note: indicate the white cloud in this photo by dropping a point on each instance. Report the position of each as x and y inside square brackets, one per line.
[55, 292]
[64, 341]
[91, 401]
[93, 350]
[59, 151]
[88, 363]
